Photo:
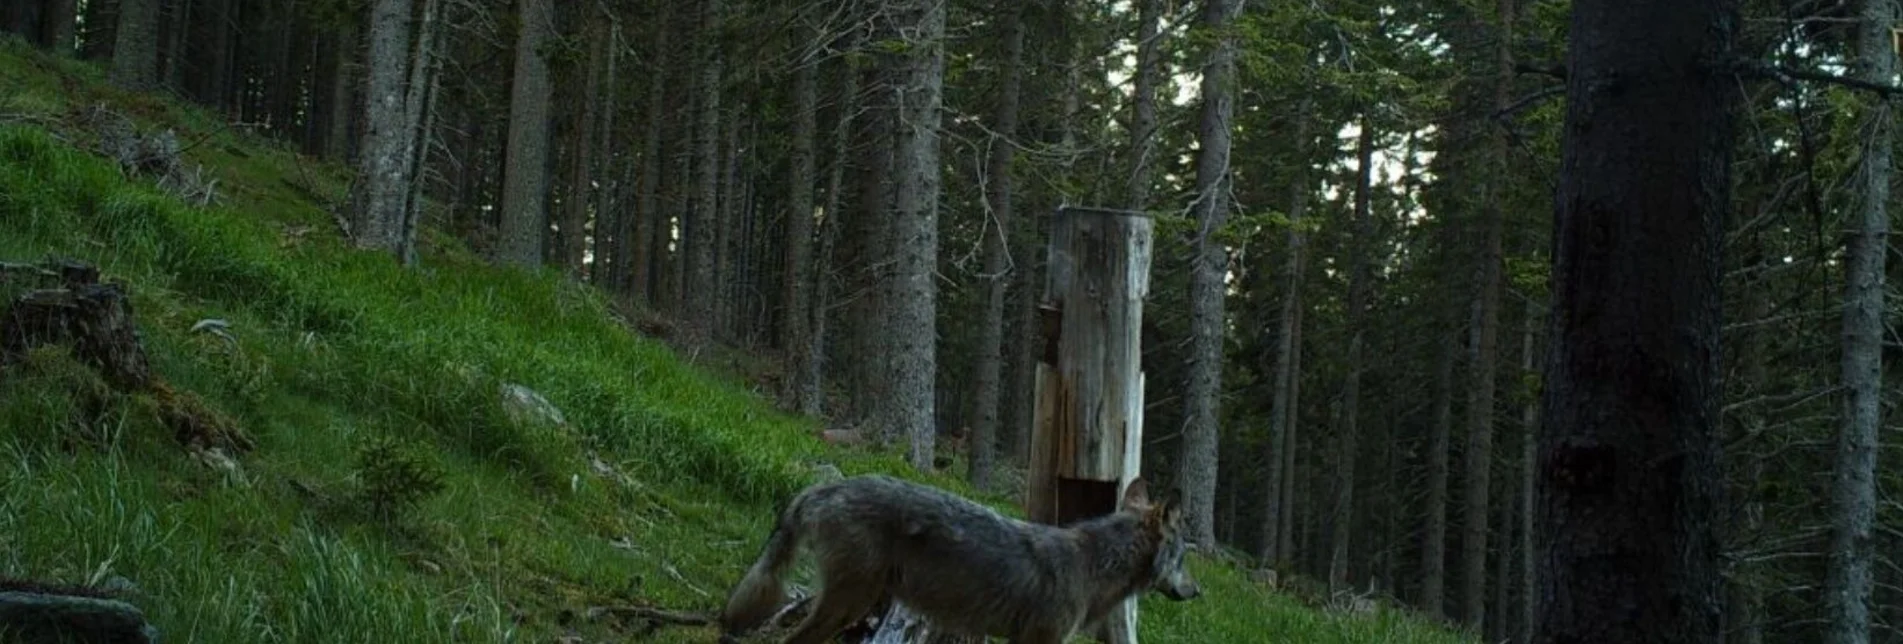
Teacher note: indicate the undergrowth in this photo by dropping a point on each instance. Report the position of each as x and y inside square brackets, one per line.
[391, 496]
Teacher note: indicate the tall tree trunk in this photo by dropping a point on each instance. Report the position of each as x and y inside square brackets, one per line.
[1203, 392]
[649, 224]
[1847, 578]
[23, 17]
[1529, 441]
[135, 48]
[1629, 481]
[586, 115]
[419, 122]
[177, 23]
[343, 96]
[382, 188]
[98, 26]
[869, 245]
[914, 307]
[796, 287]
[1285, 532]
[1434, 544]
[1288, 345]
[998, 260]
[702, 296]
[727, 279]
[1143, 104]
[1485, 347]
[812, 386]
[525, 172]
[609, 267]
[59, 28]
[1348, 444]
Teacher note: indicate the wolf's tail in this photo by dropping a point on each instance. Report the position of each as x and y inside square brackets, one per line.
[761, 592]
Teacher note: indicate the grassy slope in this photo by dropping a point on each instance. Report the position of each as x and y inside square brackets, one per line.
[337, 348]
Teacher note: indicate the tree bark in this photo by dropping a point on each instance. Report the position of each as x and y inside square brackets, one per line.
[1143, 105]
[797, 284]
[1285, 532]
[1203, 391]
[1281, 415]
[216, 89]
[382, 188]
[59, 28]
[135, 48]
[913, 309]
[1434, 544]
[1485, 350]
[1348, 439]
[644, 261]
[869, 245]
[812, 397]
[1529, 441]
[585, 114]
[525, 172]
[1629, 478]
[998, 261]
[609, 229]
[702, 293]
[1847, 578]
[419, 123]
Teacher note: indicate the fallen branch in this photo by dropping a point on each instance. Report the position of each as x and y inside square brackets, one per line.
[649, 613]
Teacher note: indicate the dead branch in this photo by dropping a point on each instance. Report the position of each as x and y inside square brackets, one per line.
[651, 614]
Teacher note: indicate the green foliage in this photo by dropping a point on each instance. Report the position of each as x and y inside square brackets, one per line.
[393, 476]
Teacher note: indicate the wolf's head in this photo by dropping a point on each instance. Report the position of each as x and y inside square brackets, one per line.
[1163, 524]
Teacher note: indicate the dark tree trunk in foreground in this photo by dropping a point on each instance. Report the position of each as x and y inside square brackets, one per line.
[1629, 477]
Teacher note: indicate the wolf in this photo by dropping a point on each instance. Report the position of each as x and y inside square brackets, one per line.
[965, 567]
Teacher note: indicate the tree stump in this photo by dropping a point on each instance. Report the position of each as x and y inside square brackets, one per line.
[94, 319]
[65, 304]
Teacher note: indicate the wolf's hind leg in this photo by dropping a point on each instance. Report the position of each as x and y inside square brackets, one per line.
[844, 600]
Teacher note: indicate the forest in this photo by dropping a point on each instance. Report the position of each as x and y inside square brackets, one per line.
[1557, 321]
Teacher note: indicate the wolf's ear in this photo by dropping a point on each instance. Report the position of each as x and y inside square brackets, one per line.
[1172, 506]
[1137, 495]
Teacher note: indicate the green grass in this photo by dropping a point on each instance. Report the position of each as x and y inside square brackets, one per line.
[336, 350]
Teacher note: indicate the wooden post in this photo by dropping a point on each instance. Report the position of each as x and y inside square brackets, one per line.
[1087, 438]
[1086, 442]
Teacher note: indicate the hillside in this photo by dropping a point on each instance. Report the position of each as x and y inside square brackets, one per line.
[390, 494]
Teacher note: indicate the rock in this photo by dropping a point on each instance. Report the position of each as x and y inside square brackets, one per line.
[526, 406]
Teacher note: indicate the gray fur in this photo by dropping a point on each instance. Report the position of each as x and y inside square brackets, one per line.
[964, 566]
